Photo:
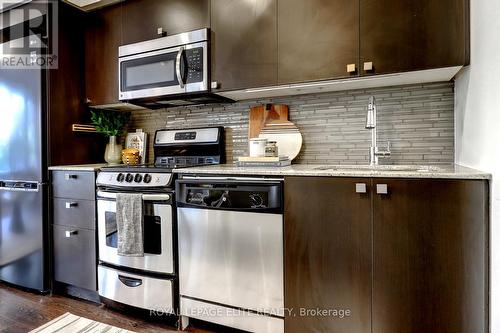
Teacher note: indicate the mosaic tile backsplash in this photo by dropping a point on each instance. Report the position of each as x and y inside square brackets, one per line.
[416, 119]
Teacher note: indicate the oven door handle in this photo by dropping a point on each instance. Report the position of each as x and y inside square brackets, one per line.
[145, 197]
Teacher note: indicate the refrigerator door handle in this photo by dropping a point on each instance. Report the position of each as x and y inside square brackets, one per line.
[20, 186]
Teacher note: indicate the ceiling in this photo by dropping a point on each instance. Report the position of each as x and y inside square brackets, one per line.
[88, 5]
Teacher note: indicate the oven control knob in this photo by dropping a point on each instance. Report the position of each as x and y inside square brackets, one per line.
[129, 178]
[120, 177]
[147, 178]
[138, 178]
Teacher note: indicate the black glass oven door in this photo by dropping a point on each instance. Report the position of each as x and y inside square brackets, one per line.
[151, 230]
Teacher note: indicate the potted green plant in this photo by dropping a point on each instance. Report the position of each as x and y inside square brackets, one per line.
[111, 124]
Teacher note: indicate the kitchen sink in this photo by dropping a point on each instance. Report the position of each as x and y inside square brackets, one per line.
[392, 168]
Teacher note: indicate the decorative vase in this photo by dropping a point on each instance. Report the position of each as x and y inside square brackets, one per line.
[113, 153]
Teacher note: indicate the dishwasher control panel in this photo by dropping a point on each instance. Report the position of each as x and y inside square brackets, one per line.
[227, 194]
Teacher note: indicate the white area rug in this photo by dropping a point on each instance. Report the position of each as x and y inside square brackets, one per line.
[69, 323]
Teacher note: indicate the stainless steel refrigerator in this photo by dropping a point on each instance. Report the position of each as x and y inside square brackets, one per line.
[23, 183]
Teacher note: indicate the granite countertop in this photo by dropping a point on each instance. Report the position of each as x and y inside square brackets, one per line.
[452, 171]
[77, 167]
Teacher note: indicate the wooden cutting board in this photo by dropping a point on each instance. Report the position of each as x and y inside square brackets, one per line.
[261, 115]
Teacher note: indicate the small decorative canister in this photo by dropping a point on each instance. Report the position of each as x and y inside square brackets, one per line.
[257, 147]
[271, 149]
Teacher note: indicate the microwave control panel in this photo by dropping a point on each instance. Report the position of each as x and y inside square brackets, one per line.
[195, 64]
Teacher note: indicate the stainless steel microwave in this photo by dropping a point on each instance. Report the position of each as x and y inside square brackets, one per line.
[172, 70]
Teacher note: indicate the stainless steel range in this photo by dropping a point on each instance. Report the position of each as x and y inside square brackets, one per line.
[150, 281]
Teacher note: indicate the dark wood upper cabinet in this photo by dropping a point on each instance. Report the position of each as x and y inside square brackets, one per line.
[327, 254]
[65, 93]
[317, 39]
[258, 43]
[244, 43]
[406, 35]
[130, 22]
[430, 256]
[103, 35]
[142, 18]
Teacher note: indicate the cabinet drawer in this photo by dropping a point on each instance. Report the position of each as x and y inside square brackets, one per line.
[73, 184]
[75, 257]
[136, 290]
[74, 212]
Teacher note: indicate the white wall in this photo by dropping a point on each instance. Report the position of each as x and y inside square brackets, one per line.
[477, 121]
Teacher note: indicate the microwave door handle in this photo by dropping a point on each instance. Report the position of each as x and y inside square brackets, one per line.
[178, 67]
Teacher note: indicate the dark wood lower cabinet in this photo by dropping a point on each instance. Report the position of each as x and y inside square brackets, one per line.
[327, 255]
[412, 260]
[430, 256]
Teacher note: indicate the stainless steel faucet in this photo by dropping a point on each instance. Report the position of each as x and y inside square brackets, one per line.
[371, 123]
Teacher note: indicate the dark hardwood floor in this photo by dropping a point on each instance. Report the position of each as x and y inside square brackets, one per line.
[22, 311]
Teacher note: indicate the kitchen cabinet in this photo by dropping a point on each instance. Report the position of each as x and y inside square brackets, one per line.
[74, 229]
[65, 95]
[103, 35]
[409, 255]
[406, 35]
[258, 43]
[68, 184]
[74, 260]
[130, 22]
[317, 39]
[174, 16]
[430, 256]
[244, 43]
[332, 39]
[327, 254]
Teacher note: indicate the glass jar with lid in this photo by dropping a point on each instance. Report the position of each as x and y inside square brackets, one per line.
[271, 149]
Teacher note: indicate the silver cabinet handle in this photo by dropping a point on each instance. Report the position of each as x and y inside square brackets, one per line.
[368, 66]
[178, 67]
[71, 204]
[69, 176]
[351, 68]
[70, 233]
[382, 189]
[360, 188]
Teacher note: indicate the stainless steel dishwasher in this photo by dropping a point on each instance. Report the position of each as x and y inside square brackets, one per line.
[231, 251]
